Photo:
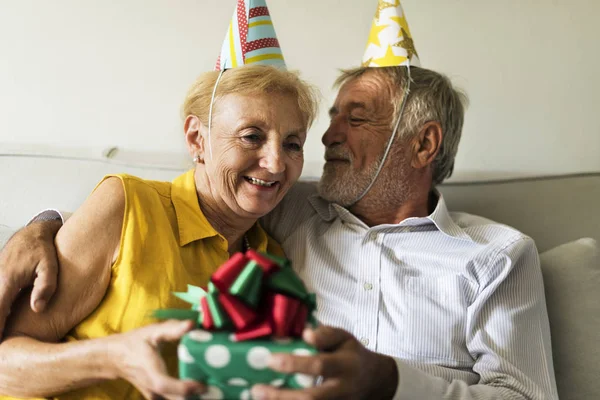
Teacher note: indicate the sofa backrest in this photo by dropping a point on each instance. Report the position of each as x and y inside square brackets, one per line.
[551, 210]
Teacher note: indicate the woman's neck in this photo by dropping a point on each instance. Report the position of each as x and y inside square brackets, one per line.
[231, 226]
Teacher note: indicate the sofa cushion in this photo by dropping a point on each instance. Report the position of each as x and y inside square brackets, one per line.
[572, 283]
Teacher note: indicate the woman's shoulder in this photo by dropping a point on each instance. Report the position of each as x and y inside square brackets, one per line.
[134, 185]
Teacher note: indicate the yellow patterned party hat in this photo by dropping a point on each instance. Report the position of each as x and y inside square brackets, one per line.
[251, 38]
[390, 41]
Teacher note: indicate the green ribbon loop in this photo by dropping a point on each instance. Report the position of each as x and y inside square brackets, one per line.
[193, 296]
[188, 297]
[248, 284]
[179, 314]
[282, 262]
[286, 281]
[219, 316]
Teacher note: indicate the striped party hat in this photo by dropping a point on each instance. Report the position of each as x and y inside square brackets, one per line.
[251, 38]
[390, 41]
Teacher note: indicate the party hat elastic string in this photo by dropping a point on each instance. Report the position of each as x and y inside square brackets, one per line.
[390, 44]
[210, 111]
[391, 140]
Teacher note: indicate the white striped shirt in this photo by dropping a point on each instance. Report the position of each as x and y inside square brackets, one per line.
[456, 299]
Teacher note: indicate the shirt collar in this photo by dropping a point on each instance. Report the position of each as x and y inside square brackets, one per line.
[440, 216]
[191, 221]
[443, 220]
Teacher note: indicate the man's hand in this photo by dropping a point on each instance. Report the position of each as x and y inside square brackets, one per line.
[350, 371]
[135, 357]
[29, 258]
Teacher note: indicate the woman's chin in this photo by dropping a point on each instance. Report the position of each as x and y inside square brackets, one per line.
[258, 209]
[259, 201]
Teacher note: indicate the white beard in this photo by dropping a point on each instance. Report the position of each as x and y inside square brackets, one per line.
[343, 185]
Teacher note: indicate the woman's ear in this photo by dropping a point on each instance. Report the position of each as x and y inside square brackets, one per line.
[194, 137]
[427, 144]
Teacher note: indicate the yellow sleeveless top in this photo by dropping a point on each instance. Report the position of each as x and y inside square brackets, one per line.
[166, 244]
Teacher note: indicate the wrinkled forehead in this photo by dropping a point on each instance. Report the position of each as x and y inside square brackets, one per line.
[269, 110]
[369, 91]
[257, 102]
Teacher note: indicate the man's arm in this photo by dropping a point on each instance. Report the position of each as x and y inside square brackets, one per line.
[508, 335]
[29, 257]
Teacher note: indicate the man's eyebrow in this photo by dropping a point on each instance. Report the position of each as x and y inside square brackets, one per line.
[351, 106]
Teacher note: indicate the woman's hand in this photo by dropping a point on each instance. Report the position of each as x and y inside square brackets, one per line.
[137, 359]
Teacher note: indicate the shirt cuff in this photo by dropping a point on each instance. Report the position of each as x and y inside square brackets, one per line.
[416, 384]
[50, 214]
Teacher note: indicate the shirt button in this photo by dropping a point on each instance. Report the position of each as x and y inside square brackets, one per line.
[364, 341]
[373, 235]
[368, 286]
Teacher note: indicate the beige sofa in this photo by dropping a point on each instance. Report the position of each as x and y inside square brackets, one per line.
[555, 211]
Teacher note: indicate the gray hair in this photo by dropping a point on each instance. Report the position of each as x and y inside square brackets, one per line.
[431, 98]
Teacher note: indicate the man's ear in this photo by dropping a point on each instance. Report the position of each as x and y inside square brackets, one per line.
[427, 144]
[194, 137]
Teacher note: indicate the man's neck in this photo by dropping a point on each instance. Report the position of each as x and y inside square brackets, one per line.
[372, 213]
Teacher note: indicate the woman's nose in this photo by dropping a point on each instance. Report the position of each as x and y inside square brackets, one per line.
[272, 159]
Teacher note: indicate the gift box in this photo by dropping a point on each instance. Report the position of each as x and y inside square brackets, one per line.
[254, 305]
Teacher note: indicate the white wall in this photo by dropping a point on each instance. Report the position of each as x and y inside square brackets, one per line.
[94, 74]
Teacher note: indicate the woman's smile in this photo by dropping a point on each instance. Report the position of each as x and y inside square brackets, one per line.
[261, 183]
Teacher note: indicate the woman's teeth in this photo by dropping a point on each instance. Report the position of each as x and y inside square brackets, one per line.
[259, 182]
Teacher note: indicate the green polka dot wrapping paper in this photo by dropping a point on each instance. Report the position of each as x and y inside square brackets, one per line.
[230, 368]
[255, 305]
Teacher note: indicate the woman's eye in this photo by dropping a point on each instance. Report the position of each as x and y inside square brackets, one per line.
[294, 146]
[252, 138]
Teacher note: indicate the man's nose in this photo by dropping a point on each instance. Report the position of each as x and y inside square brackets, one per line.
[335, 134]
[273, 159]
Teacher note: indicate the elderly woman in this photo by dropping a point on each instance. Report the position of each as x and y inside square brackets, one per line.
[133, 242]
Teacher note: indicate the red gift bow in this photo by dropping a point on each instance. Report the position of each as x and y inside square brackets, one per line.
[278, 314]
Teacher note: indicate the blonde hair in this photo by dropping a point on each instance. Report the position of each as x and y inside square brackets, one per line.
[432, 97]
[250, 79]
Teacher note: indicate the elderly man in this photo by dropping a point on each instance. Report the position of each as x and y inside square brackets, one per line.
[455, 299]
[416, 302]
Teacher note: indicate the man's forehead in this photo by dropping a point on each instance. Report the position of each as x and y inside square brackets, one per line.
[361, 92]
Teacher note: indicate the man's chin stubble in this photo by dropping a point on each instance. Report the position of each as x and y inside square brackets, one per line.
[341, 188]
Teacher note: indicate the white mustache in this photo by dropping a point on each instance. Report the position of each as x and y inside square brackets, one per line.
[338, 154]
